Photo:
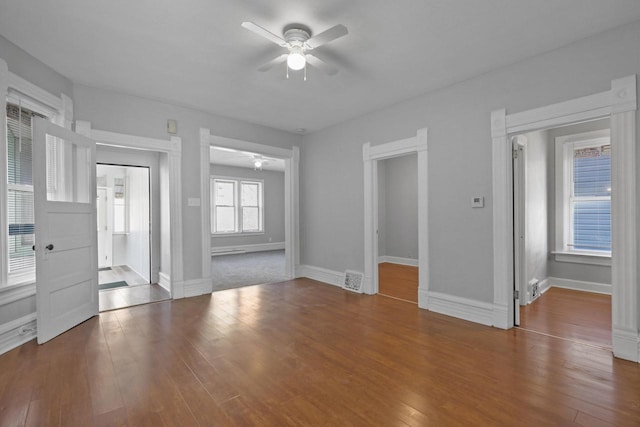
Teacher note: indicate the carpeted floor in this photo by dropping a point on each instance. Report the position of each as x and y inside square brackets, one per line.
[238, 270]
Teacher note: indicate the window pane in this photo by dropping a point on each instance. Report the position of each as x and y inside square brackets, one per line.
[225, 193]
[119, 217]
[592, 172]
[225, 219]
[69, 164]
[21, 231]
[250, 219]
[592, 225]
[250, 194]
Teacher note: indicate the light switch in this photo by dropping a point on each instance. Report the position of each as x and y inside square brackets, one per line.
[193, 201]
[172, 126]
[477, 202]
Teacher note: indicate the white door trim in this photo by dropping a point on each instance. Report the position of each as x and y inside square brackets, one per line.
[291, 159]
[173, 148]
[370, 156]
[620, 103]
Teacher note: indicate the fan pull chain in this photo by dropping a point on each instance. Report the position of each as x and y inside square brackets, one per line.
[305, 71]
[287, 72]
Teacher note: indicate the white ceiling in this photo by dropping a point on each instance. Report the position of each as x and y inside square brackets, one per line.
[195, 53]
[243, 159]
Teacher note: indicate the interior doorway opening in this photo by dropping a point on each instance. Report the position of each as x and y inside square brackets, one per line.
[562, 187]
[125, 239]
[398, 227]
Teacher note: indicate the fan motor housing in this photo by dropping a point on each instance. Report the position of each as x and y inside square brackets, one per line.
[296, 33]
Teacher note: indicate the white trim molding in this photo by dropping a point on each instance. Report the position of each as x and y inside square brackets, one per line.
[370, 156]
[205, 195]
[164, 280]
[620, 103]
[17, 332]
[462, 308]
[241, 249]
[195, 287]
[324, 275]
[291, 159]
[173, 149]
[580, 285]
[398, 260]
[585, 258]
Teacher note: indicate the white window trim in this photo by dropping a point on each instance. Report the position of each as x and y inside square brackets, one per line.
[563, 146]
[60, 110]
[238, 195]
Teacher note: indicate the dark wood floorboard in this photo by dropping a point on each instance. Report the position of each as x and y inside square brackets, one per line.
[570, 314]
[305, 353]
[398, 281]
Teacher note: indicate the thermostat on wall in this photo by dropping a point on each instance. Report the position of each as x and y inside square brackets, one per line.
[477, 202]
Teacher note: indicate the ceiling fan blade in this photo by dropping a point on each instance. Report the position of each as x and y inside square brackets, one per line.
[275, 61]
[321, 65]
[327, 36]
[264, 33]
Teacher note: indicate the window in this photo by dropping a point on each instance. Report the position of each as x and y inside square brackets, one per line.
[236, 206]
[583, 193]
[20, 190]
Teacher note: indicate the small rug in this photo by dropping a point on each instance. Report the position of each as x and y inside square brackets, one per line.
[112, 285]
[104, 269]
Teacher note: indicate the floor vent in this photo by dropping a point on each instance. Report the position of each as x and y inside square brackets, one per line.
[353, 281]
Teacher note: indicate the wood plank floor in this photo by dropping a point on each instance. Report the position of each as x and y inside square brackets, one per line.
[574, 315]
[304, 353]
[398, 281]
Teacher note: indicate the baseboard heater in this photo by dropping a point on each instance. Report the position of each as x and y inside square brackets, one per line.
[227, 252]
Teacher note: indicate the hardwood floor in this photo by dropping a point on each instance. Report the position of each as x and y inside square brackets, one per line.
[569, 314]
[304, 353]
[398, 281]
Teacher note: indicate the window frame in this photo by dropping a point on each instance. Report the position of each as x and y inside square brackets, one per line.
[238, 182]
[59, 110]
[564, 148]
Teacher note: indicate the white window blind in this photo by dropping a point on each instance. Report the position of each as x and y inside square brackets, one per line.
[591, 198]
[20, 188]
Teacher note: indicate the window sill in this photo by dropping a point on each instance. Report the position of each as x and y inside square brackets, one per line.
[257, 233]
[16, 292]
[583, 258]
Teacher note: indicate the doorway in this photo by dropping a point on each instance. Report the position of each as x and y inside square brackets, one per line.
[562, 231]
[398, 227]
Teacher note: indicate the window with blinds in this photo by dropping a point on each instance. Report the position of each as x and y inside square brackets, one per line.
[20, 189]
[591, 198]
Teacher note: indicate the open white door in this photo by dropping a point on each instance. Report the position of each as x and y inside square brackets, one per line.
[64, 165]
[519, 189]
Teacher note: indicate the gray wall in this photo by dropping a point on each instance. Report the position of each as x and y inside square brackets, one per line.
[400, 189]
[115, 112]
[536, 209]
[460, 165]
[273, 206]
[567, 270]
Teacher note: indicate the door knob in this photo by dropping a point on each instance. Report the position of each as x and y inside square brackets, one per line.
[49, 246]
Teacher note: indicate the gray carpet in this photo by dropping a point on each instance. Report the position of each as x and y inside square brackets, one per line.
[238, 270]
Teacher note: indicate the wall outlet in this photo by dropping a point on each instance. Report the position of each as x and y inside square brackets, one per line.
[477, 202]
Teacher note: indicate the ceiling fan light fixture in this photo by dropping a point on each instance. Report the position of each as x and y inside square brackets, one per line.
[296, 60]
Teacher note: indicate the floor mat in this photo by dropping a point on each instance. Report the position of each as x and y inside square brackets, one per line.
[112, 285]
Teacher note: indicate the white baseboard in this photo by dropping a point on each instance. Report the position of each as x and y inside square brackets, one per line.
[544, 286]
[164, 281]
[462, 308]
[578, 285]
[397, 260]
[500, 316]
[331, 277]
[423, 298]
[241, 249]
[10, 336]
[626, 344]
[197, 287]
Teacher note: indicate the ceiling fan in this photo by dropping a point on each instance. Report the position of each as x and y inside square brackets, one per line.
[298, 40]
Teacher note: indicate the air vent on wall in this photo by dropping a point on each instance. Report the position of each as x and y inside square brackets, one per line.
[353, 281]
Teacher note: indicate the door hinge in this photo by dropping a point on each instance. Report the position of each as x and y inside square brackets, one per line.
[516, 294]
[515, 153]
